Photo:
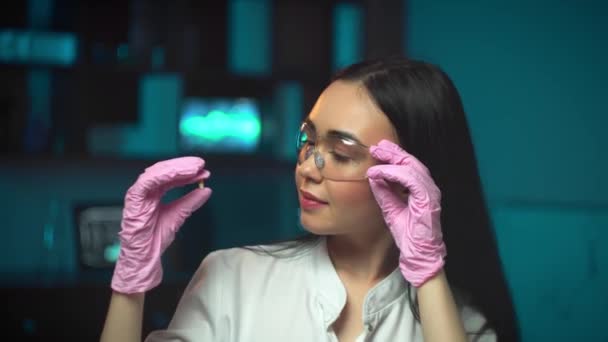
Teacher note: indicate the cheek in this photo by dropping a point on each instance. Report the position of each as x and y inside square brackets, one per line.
[350, 194]
[296, 178]
[354, 203]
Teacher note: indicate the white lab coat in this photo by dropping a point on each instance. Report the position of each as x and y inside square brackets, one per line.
[237, 295]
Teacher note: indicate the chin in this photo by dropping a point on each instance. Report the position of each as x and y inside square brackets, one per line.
[317, 227]
[320, 232]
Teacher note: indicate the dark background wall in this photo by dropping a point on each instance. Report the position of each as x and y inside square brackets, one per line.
[91, 94]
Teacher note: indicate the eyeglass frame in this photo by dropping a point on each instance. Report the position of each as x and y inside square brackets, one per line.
[318, 158]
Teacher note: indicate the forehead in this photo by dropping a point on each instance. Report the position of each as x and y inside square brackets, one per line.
[346, 106]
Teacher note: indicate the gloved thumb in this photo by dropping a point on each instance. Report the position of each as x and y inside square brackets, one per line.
[183, 207]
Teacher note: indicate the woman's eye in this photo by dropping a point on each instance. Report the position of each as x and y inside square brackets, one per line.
[340, 158]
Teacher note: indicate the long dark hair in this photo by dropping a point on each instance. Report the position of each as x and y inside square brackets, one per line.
[426, 110]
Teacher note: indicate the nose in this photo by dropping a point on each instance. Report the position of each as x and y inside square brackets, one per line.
[308, 168]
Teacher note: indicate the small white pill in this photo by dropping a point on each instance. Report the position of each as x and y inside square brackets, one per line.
[201, 184]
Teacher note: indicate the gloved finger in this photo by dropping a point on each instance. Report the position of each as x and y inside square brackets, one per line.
[184, 207]
[398, 174]
[168, 170]
[166, 175]
[389, 152]
[177, 182]
[389, 200]
[181, 163]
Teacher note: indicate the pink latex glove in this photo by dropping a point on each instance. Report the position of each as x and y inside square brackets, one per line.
[412, 217]
[148, 226]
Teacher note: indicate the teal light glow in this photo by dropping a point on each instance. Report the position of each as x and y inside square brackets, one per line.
[249, 37]
[220, 125]
[111, 252]
[347, 34]
[217, 125]
[52, 48]
[289, 104]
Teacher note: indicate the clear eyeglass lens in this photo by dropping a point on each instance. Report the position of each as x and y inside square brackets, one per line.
[336, 158]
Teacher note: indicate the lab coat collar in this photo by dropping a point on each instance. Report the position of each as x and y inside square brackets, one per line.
[331, 294]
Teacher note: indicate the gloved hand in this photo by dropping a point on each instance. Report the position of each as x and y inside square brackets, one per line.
[413, 215]
[148, 226]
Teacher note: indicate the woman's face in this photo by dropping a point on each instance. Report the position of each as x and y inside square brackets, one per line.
[343, 207]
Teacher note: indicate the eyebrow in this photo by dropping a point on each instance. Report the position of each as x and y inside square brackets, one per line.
[336, 133]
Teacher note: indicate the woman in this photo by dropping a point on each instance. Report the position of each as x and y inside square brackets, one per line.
[400, 245]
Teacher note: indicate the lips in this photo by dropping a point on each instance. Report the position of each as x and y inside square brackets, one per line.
[307, 195]
[310, 201]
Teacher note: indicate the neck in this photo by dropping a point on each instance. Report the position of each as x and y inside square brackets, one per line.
[363, 258]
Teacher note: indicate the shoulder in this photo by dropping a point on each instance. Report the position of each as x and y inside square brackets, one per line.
[246, 274]
[252, 259]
